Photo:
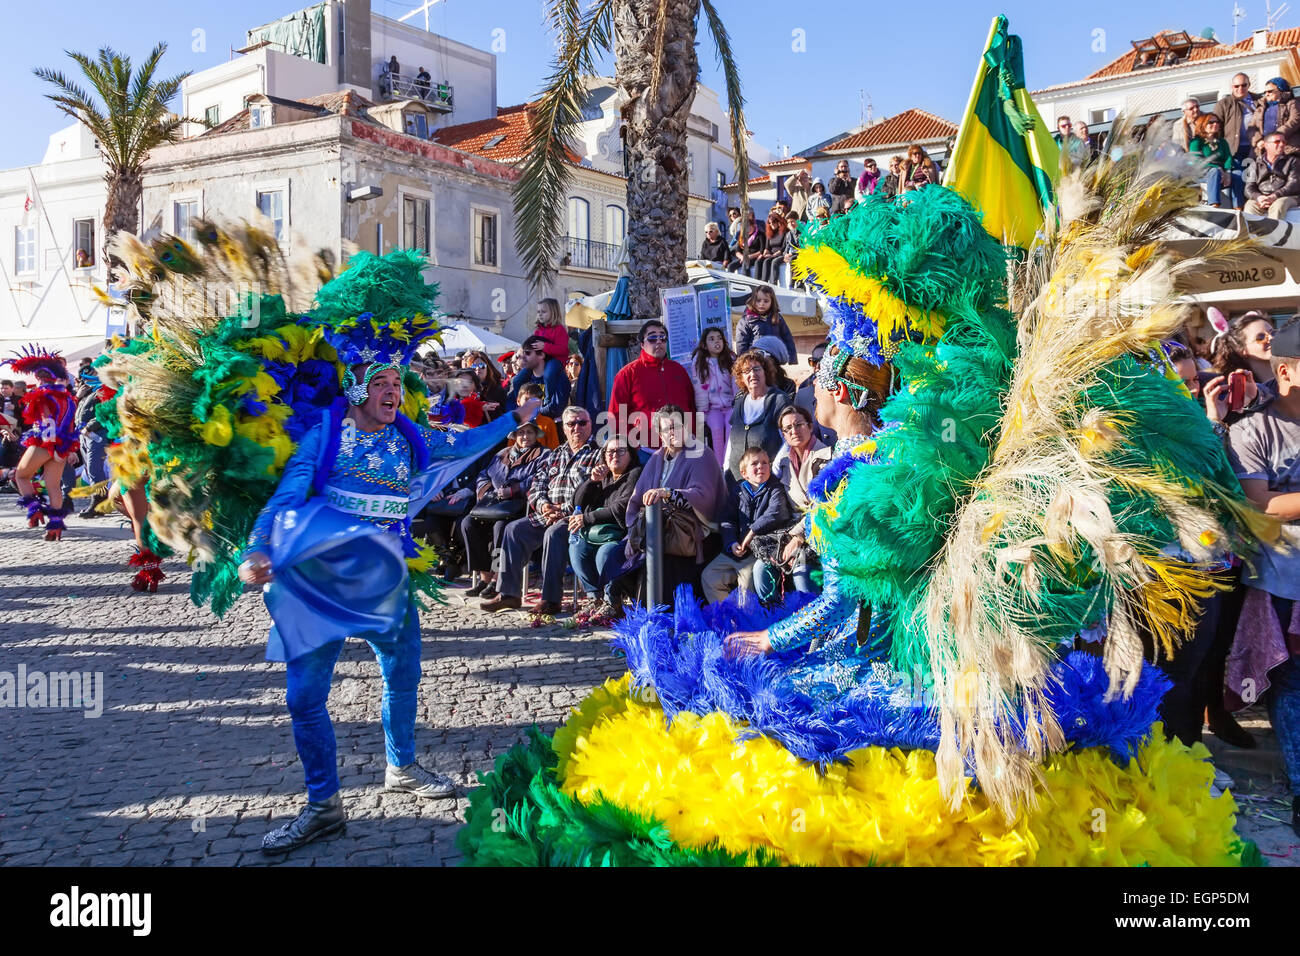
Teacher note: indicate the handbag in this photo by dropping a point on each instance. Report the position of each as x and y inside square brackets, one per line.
[499, 510]
[606, 533]
[680, 528]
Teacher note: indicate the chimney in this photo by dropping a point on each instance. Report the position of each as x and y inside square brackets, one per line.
[1259, 41]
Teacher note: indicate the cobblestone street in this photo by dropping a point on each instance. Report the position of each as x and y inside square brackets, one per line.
[193, 760]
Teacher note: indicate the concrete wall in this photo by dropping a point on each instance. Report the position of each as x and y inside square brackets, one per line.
[56, 300]
[471, 72]
[262, 71]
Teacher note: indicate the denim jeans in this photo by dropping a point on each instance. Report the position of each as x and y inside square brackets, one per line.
[1214, 187]
[308, 689]
[592, 564]
[1283, 701]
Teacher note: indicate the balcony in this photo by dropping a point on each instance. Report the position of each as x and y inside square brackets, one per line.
[588, 254]
[405, 86]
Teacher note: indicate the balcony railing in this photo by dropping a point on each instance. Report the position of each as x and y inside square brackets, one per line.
[587, 254]
[405, 86]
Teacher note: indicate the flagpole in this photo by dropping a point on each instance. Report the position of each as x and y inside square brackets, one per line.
[63, 266]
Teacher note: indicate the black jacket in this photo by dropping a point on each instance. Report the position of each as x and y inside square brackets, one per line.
[606, 502]
[763, 512]
[1281, 179]
[715, 250]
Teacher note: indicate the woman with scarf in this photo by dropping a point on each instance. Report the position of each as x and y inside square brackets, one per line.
[1280, 114]
[869, 180]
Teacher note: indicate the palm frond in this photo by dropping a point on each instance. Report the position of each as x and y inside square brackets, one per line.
[545, 174]
[735, 103]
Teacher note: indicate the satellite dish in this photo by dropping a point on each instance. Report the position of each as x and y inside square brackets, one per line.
[1208, 33]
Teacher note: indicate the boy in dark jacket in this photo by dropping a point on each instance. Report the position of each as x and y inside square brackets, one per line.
[758, 510]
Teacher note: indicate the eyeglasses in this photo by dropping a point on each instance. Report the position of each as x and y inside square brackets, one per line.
[615, 452]
[572, 422]
[794, 427]
[1241, 86]
[656, 338]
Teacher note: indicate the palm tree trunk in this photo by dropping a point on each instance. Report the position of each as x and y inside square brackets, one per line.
[122, 207]
[654, 126]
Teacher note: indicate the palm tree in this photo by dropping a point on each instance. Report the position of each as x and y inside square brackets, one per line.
[653, 42]
[129, 119]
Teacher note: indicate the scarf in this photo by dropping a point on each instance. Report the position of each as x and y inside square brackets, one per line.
[868, 183]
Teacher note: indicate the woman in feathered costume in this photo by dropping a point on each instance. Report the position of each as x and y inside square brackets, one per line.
[51, 408]
[1033, 477]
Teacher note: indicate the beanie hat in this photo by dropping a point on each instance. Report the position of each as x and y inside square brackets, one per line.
[773, 347]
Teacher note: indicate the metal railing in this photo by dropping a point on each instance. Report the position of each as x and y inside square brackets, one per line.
[588, 254]
[404, 86]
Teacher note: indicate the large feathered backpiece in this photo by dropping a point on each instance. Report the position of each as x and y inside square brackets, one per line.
[1043, 474]
[233, 367]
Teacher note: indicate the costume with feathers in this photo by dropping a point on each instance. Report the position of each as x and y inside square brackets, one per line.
[51, 408]
[1041, 477]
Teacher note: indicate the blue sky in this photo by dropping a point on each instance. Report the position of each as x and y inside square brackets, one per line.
[900, 55]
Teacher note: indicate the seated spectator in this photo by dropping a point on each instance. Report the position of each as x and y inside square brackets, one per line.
[715, 389]
[686, 479]
[1265, 448]
[749, 247]
[769, 260]
[548, 434]
[500, 497]
[544, 525]
[1184, 130]
[757, 513]
[919, 170]
[892, 184]
[1273, 180]
[546, 371]
[762, 317]
[1209, 144]
[754, 419]
[1279, 113]
[799, 461]
[805, 396]
[651, 380]
[714, 248]
[573, 368]
[818, 200]
[550, 327]
[598, 526]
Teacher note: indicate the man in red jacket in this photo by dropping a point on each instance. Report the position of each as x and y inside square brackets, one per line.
[646, 384]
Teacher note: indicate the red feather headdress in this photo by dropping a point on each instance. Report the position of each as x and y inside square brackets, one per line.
[34, 360]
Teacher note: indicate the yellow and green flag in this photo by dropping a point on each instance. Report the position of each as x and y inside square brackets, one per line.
[1005, 161]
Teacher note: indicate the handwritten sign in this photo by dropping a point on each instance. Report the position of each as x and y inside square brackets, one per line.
[681, 315]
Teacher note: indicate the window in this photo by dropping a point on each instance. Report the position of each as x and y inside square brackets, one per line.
[713, 132]
[183, 210]
[270, 203]
[213, 115]
[579, 252]
[416, 123]
[485, 238]
[1096, 117]
[615, 225]
[83, 249]
[592, 111]
[25, 249]
[722, 179]
[1207, 100]
[259, 116]
[415, 223]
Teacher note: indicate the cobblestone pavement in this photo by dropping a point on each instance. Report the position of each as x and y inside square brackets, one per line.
[193, 760]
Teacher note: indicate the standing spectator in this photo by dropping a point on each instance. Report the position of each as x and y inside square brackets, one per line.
[1069, 143]
[1184, 130]
[818, 200]
[686, 479]
[773, 247]
[714, 248]
[715, 389]
[1273, 180]
[892, 185]
[394, 67]
[1278, 113]
[491, 388]
[869, 181]
[502, 496]
[1081, 133]
[550, 502]
[573, 368]
[649, 381]
[1266, 451]
[596, 535]
[762, 317]
[919, 170]
[1235, 110]
[757, 512]
[1210, 144]
[799, 186]
[541, 368]
[755, 416]
[551, 327]
[840, 187]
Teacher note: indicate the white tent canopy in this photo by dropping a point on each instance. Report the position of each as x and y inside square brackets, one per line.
[462, 337]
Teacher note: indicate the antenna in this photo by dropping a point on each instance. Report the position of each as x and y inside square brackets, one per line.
[1238, 14]
[868, 109]
[423, 9]
[1271, 16]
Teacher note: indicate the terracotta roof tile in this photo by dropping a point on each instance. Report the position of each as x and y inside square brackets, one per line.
[911, 126]
[502, 138]
[344, 102]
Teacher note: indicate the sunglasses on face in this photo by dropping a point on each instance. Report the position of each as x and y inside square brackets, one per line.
[575, 422]
[656, 338]
[1241, 86]
[1264, 337]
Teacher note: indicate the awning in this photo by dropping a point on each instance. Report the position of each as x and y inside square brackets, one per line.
[72, 348]
[462, 337]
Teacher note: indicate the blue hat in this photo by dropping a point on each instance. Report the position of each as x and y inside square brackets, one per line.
[1281, 84]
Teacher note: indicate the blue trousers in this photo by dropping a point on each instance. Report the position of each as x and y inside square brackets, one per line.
[308, 680]
[1215, 187]
[592, 563]
[1283, 701]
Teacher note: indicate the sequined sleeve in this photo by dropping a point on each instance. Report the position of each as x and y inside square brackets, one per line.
[469, 444]
[828, 614]
[293, 490]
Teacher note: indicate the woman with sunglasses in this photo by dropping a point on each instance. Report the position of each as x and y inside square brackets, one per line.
[1209, 144]
[491, 390]
[1280, 114]
[919, 170]
[1247, 346]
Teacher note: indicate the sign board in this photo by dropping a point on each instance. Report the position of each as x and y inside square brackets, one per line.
[116, 324]
[681, 315]
[713, 300]
[1251, 270]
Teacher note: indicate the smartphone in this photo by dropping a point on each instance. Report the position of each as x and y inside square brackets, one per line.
[1237, 390]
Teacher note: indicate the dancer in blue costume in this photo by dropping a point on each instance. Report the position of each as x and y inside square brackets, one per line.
[331, 547]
